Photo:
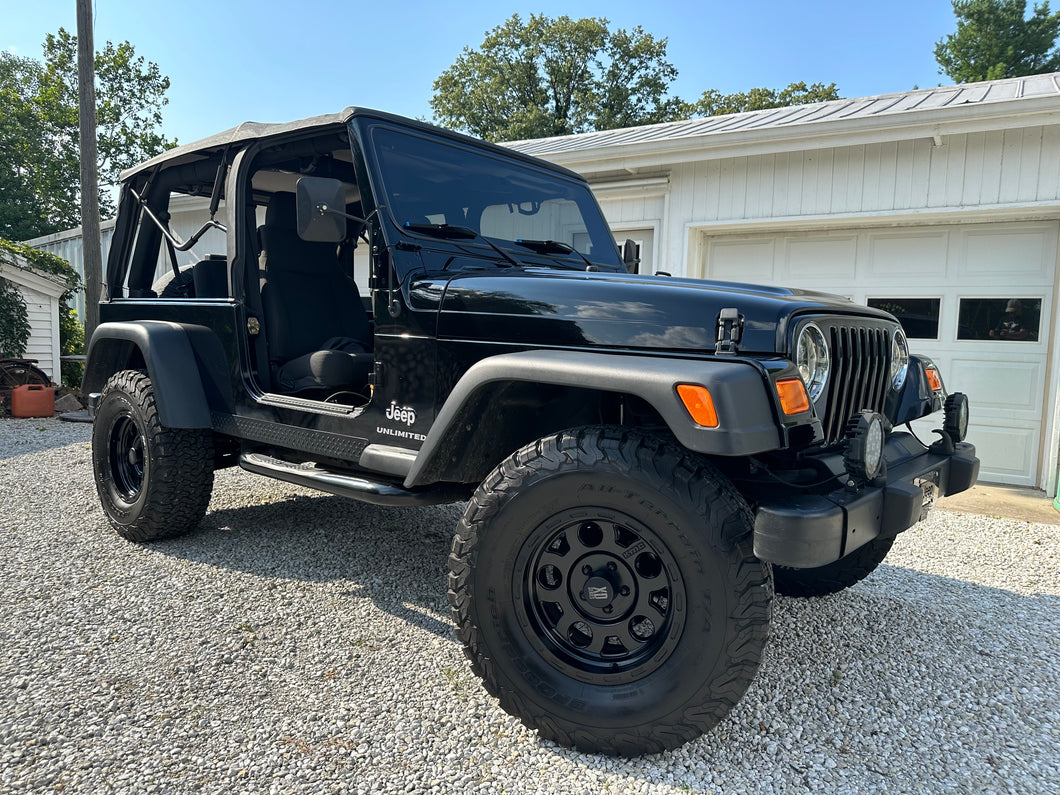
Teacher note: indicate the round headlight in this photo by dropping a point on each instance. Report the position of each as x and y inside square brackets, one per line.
[863, 456]
[811, 357]
[899, 358]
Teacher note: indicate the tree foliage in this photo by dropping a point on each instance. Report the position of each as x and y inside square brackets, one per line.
[547, 77]
[996, 39]
[22, 145]
[39, 139]
[714, 103]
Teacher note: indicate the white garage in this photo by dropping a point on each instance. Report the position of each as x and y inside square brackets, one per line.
[940, 205]
[943, 282]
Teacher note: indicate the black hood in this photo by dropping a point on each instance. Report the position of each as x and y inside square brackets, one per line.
[557, 307]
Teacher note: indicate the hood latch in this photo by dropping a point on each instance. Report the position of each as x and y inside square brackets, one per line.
[730, 330]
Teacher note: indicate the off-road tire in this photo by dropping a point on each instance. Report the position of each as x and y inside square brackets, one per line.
[667, 506]
[833, 577]
[153, 482]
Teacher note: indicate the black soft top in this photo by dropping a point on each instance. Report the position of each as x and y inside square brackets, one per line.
[256, 131]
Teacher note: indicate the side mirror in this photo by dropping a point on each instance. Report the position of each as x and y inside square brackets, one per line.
[629, 256]
[321, 213]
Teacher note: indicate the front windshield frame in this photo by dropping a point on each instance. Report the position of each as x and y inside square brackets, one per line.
[471, 186]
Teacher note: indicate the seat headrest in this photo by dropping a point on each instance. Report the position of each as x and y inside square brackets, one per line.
[281, 212]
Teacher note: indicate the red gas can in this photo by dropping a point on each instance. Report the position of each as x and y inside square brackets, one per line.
[32, 400]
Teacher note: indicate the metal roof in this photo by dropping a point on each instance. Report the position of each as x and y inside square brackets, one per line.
[887, 108]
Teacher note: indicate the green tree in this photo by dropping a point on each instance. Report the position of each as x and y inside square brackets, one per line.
[714, 103]
[996, 39]
[22, 145]
[39, 141]
[557, 76]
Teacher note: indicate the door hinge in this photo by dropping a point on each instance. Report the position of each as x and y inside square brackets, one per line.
[375, 378]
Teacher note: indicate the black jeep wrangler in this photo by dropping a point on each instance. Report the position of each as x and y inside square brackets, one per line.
[644, 458]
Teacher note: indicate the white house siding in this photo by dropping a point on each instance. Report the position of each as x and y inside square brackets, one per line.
[40, 293]
[1008, 173]
[187, 215]
[636, 209]
[43, 345]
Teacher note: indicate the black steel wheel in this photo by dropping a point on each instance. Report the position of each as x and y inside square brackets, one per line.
[603, 585]
[835, 576]
[602, 594]
[125, 451]
[153, 481]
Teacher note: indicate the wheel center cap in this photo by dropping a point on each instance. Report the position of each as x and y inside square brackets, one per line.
[598, 592]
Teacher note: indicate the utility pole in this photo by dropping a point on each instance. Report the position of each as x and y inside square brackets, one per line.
[91, 248]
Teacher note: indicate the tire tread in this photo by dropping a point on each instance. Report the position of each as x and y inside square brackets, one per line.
[665, 465]
[181, 467]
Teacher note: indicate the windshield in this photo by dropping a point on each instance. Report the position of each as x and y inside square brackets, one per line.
[431, 182]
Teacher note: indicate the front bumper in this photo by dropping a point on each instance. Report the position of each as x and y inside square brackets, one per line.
[810, 530]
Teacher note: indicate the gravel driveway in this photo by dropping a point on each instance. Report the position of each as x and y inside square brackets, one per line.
[300, 642]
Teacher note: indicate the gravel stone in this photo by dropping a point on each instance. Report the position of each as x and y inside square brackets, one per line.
[298, 642]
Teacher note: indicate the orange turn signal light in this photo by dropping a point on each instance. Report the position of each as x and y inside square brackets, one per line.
[699, 404]
[793, 397]
[933, 378]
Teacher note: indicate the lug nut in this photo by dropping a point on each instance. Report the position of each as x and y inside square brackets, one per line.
[612, 567]
[608, 609]
[624, 590]
[587, 569]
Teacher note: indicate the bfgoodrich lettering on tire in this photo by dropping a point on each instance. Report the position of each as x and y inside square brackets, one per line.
[153, 481]
[603, 585]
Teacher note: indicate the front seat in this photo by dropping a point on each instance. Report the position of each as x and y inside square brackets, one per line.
[318, 332]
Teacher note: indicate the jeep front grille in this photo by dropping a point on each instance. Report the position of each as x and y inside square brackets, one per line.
[861, 370]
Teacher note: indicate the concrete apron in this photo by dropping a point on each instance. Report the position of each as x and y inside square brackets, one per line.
[1007, 502]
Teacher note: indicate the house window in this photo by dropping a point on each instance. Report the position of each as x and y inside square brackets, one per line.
[918, 316]
[1001, 319]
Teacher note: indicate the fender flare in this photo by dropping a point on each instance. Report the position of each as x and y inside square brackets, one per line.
[916, 399]
[170, 360]
[738, 388]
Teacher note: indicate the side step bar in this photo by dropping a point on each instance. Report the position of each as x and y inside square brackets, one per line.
[345, 485]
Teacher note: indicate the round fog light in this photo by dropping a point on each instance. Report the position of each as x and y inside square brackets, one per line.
[956, 416]
[863, 456]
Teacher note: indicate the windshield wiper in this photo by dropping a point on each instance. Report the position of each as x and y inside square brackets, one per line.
[453, 232]
[555, 247]
[447, 231]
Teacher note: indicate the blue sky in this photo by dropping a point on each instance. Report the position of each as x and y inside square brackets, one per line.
[276, 61]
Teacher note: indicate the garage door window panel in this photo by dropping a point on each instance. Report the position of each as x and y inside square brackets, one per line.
[1015, 319]
[918, 316]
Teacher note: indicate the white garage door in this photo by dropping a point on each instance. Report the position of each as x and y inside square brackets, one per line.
[975, 298]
